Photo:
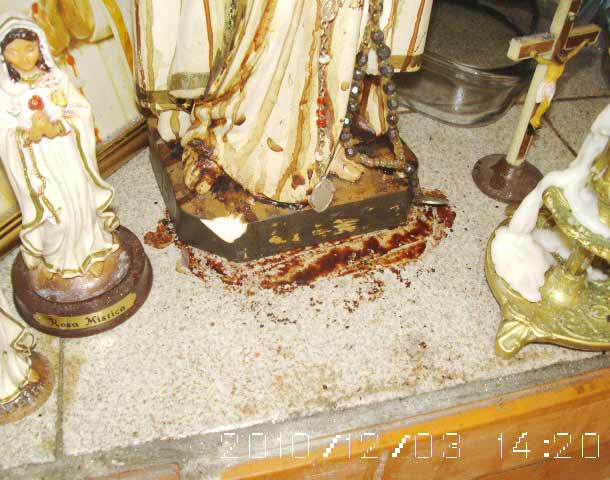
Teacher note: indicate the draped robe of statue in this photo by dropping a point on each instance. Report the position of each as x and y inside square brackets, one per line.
[14, 362]
[63, 199]
[173, 54]
[258, 112]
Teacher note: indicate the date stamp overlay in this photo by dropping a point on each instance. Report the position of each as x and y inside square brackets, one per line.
[450, 446]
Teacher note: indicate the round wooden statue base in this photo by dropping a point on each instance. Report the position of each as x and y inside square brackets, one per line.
[33, 396]
[501, 181]
[93, 316]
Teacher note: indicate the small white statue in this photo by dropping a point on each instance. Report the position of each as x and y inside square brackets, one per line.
[47, 146]
[15, 360]
[79, 272]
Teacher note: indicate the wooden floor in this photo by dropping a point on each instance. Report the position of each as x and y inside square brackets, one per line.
[554, 431]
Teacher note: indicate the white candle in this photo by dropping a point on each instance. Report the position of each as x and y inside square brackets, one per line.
[521, 255]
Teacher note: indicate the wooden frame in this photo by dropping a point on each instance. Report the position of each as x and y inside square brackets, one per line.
[111, 156]
[548, 414]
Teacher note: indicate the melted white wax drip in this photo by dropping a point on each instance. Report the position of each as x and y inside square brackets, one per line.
[521, 254]
[228, 229]
[14, 366]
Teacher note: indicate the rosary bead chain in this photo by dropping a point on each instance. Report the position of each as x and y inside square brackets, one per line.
[375, 35]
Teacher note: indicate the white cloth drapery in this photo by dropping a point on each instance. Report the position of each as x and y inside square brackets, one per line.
[258, 61]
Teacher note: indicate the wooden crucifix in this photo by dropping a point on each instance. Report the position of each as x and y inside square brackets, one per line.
[509, 178]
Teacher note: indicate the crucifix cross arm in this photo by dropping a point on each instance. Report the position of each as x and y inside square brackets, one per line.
[533, 46]
[564, 58]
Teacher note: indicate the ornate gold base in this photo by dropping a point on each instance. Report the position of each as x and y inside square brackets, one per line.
[573, 313]
[33, 396]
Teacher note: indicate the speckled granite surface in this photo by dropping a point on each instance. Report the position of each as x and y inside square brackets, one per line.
[200, 357]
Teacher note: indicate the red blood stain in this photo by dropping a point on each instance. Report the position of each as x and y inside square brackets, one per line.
[163, 237]
[447, 216]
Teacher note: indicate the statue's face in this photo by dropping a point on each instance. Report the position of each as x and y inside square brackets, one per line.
[22, 54]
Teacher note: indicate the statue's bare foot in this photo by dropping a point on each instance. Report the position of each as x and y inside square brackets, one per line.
[346, 169]
[200, 172]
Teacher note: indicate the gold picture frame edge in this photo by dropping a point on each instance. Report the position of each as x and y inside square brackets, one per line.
[111, 156]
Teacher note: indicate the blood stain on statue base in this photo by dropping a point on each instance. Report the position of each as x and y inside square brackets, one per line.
[388, 249]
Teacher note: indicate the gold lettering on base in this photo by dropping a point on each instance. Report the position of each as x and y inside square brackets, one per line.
[90, 320]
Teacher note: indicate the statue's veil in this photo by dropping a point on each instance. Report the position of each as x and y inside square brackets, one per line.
[8, 22]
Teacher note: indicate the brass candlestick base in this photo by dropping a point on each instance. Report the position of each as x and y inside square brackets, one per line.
[583, 325]
[33, 395]
[501, 181]
[574, 311]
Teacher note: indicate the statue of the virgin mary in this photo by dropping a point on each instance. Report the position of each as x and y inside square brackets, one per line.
[47, 146]
[273, 82]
